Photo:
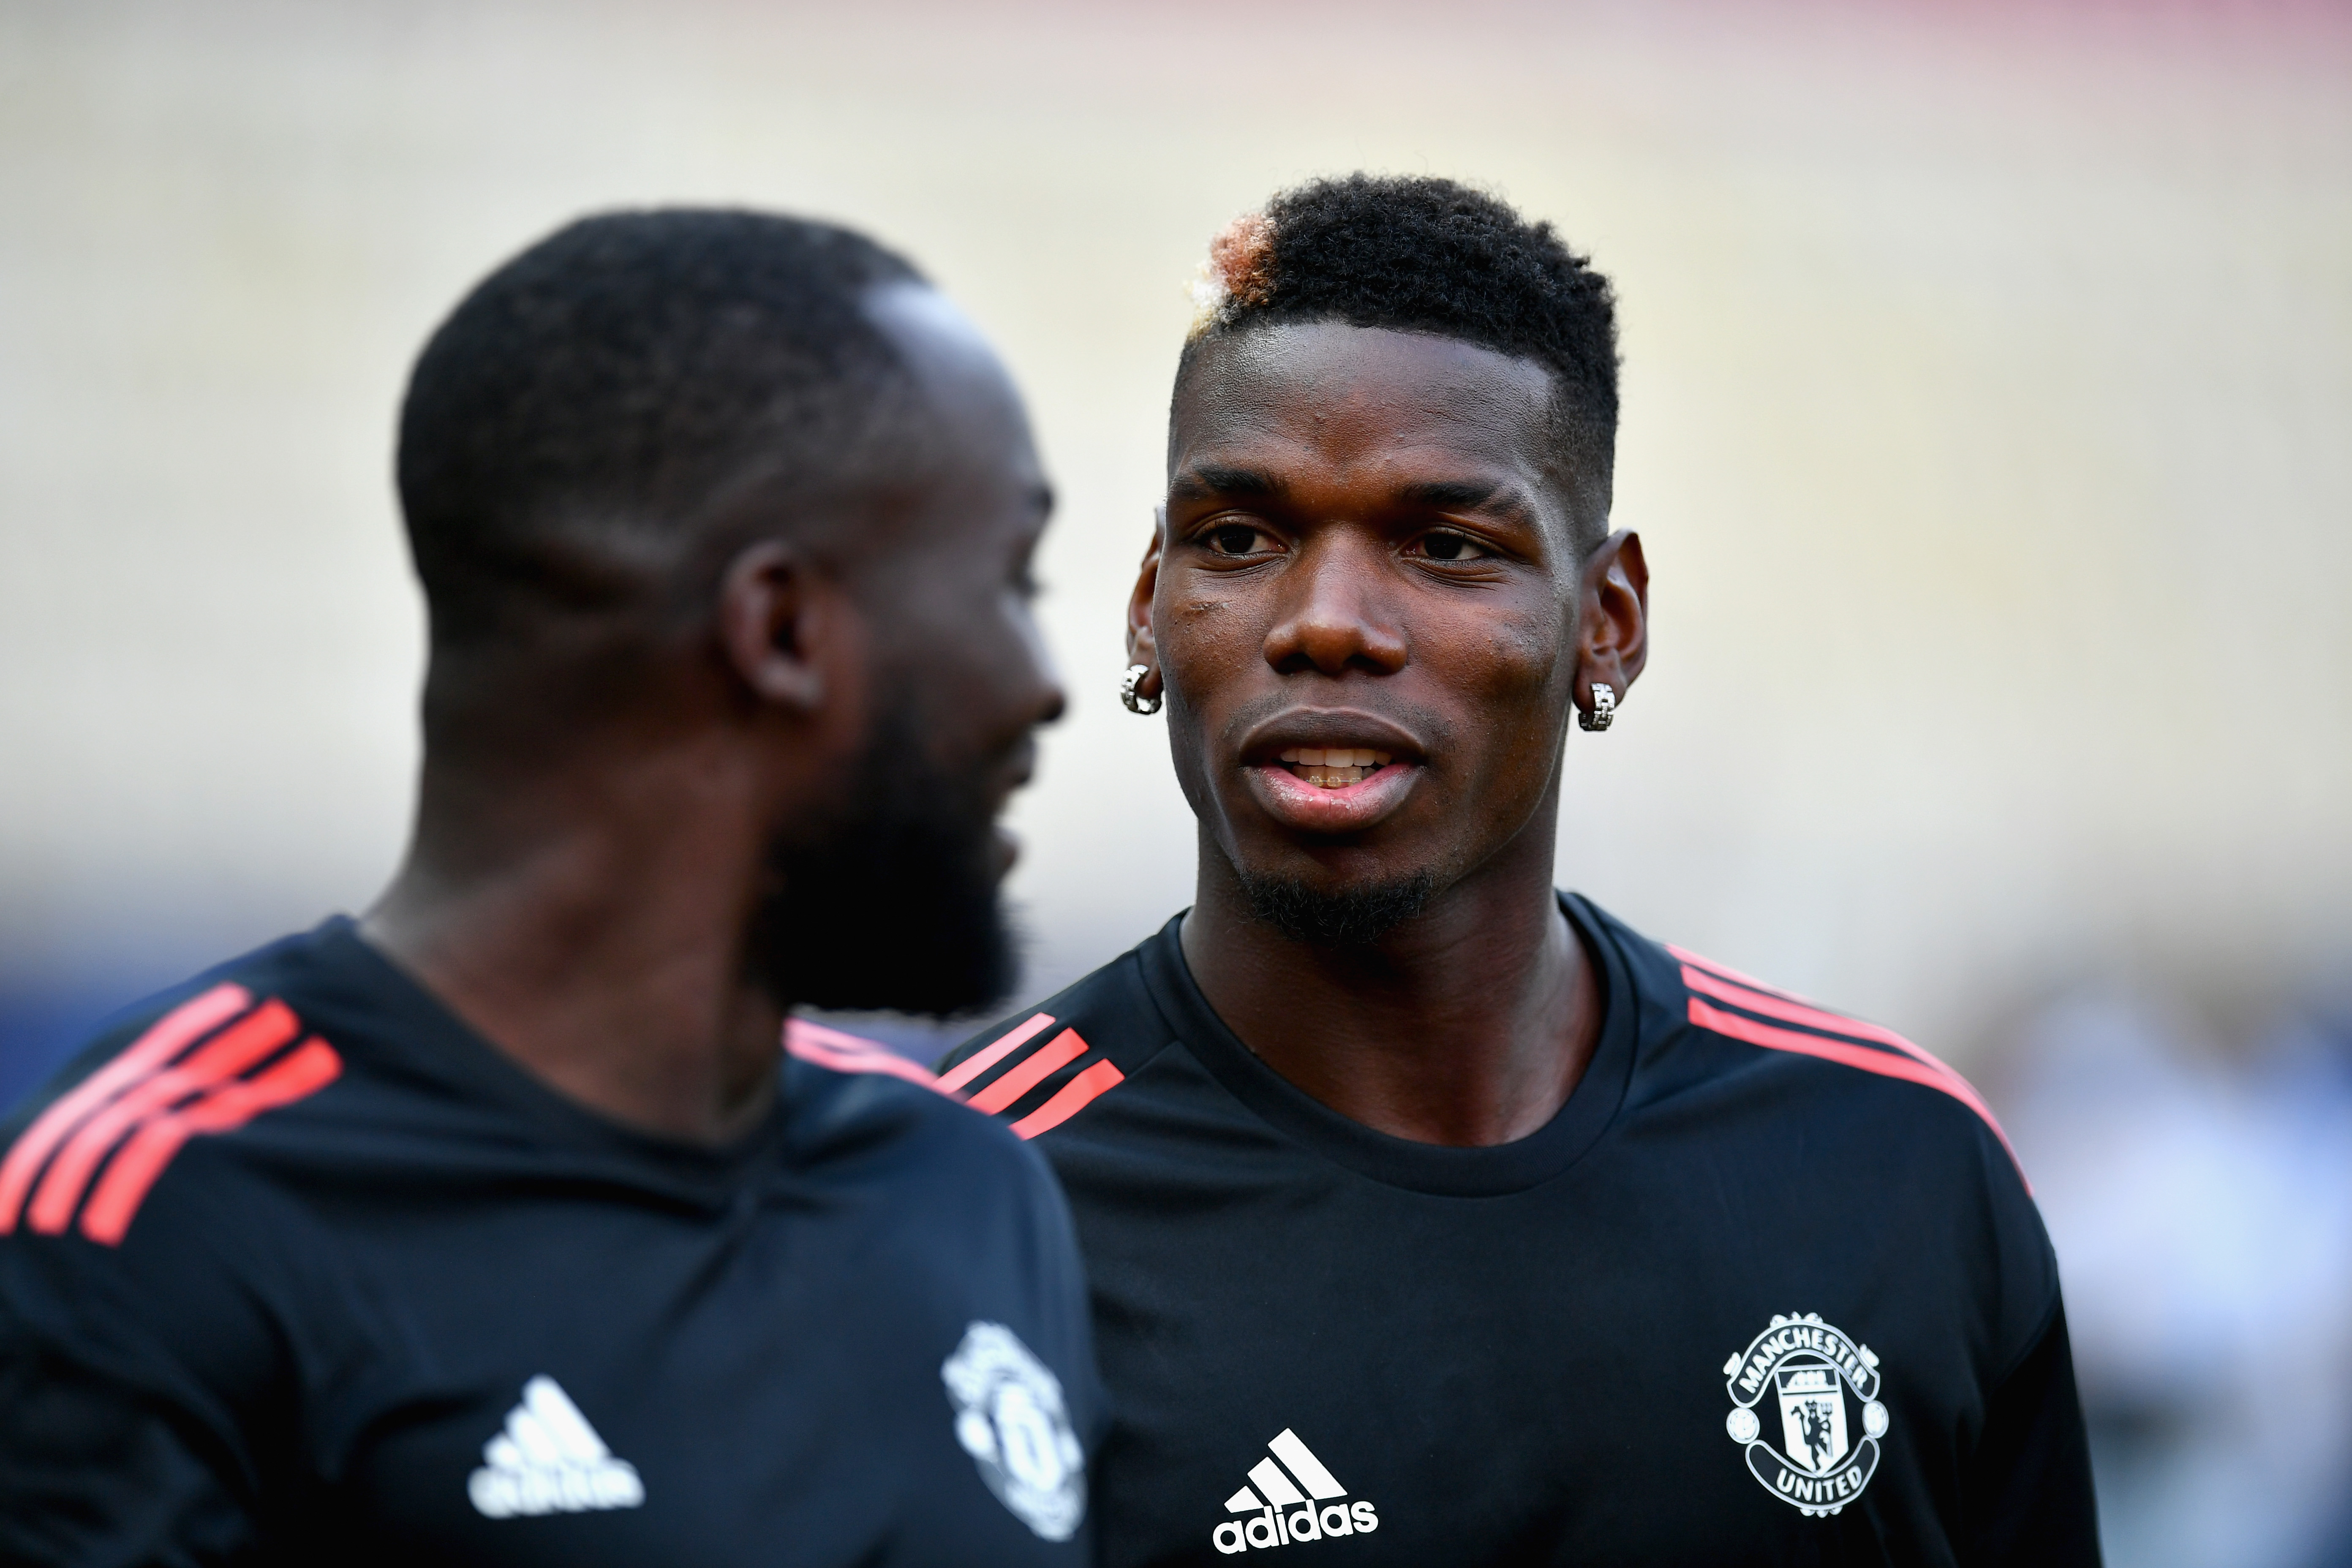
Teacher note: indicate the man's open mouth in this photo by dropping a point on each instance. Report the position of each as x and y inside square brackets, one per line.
[1334, 767]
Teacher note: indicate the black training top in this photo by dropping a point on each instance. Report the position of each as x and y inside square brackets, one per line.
[1768, 1288]
[294, 1268]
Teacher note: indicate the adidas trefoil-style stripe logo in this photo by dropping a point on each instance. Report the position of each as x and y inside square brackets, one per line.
[1287, 1514]
[550, 1461]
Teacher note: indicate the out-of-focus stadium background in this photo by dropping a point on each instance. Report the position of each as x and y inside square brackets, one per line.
[1988, 418]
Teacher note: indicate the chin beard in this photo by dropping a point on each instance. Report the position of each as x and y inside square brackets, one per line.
[1352, 917]
[892, 905]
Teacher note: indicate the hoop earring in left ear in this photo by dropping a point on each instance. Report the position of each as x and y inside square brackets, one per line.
[1604, 710]
[1146, 706]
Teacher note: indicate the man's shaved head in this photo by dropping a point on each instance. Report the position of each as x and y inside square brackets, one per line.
[629, 382]
[735, 510]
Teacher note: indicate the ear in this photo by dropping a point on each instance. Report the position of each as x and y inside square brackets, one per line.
[1143, 646]
[1614, 621]
[786, 629]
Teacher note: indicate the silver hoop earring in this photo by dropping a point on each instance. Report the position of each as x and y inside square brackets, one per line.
[1146, 706]
[1604, 710]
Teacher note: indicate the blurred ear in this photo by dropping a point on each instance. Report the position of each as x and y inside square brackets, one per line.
[1143, 646]
[1613, 622]
[789, 631]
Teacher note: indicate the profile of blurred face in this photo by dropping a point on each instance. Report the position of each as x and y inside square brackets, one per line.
[893, 900]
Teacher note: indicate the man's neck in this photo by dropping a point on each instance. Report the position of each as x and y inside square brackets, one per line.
[600, 949]
[1467, 1025]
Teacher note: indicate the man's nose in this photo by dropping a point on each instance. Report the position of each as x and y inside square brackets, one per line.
[1046, 697]
[1335, 614]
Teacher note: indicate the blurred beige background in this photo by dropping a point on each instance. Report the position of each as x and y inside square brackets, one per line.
[1987, 383]
[1987, 416]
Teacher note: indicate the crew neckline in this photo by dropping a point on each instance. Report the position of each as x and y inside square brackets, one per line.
[1438, 1169]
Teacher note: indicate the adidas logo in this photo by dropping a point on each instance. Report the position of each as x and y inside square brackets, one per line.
[550, 1461]
[1285, 1514]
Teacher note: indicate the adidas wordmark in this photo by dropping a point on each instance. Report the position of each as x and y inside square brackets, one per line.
[1292, 1501]
[548, 1459]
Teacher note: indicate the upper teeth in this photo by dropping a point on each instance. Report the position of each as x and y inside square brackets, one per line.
[1336, 757]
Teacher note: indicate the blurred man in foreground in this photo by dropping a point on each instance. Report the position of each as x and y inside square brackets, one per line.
[1434, 1215]
[494, 1228]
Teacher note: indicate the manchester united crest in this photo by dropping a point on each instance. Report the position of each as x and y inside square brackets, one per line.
[1010, 1418]
[1804, 1405]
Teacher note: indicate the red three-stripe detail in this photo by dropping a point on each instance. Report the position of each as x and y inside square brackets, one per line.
[305, 1070]
[235, 1048]
[165, 1038]
[143, 1105]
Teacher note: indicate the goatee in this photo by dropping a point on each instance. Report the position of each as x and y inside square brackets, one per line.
[1353, 917]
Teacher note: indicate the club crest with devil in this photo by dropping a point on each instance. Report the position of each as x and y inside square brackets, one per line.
[1805, 1407]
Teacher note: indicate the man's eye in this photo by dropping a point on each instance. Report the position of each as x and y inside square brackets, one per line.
[1234, 539]
[1451, 547]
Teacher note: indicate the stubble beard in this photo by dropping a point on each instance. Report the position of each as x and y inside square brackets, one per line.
[1351, 917]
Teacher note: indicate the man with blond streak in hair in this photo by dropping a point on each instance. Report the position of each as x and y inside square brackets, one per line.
[1434, 1216]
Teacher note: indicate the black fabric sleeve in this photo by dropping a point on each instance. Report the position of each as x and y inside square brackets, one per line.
[2026, 1491]
[121, 1441]
[94, 1470]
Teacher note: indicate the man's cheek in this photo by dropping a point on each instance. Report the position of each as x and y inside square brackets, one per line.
[1515, 669]
[1192, 776]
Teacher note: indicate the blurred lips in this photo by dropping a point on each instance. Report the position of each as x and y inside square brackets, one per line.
[1326, 771]
[1012, 775]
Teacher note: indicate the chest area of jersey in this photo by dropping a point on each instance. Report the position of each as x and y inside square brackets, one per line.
[716, 1397]
[1401, 1392]
[839, 1455]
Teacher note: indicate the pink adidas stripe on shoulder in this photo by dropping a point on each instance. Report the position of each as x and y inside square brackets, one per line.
[1073, 1096]
[1914, 1065]
[980, 1061]
[164, 1040]
[1799, 1009]
[1775, 1004]
[838, 1051]
[1029, 1072]
[227, 1106]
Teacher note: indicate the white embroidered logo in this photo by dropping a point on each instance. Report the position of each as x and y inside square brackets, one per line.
[1277, 1490]
[1825, 1390]
[548, 1459]
[1011, 1420]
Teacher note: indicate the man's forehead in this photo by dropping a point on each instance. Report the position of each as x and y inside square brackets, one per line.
[1427, 478]
[1341, 391]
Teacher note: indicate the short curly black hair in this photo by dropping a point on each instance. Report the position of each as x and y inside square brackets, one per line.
[626, 374]
[1416, 253]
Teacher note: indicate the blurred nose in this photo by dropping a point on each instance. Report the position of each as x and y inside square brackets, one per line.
[1046, 697]
[1333, 614]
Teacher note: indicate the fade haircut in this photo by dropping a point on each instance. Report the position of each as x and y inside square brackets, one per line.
[626, 380]
[1418, 254]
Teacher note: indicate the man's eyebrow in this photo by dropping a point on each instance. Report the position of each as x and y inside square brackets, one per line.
[1463, 495]
[1206, 481]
